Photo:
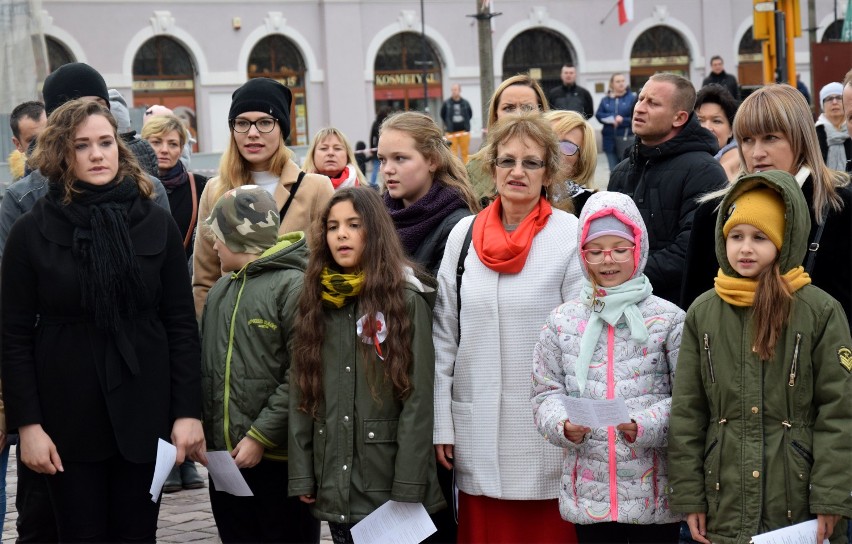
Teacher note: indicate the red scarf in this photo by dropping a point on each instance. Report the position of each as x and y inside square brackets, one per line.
[346, 178]
[502, 251]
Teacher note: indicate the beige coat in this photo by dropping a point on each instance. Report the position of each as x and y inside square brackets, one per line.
[307, 205]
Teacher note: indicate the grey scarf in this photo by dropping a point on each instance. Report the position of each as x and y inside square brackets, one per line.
[836, 159]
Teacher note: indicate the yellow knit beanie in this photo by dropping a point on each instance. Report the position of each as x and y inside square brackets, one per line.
[763, 208]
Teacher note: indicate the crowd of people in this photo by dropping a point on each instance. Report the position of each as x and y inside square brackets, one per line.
[428, 343]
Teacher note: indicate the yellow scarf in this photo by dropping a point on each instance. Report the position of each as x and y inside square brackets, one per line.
[337, 286]
[740, 291]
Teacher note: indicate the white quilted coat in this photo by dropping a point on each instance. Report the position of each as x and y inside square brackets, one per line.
[605, 478]
[482, 383]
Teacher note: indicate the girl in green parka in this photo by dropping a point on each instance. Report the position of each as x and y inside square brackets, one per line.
[761, 415]
[361, 410]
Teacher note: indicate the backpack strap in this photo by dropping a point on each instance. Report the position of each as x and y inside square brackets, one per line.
[293, 190]
[813, 247]
[194, 218]
[460, 271]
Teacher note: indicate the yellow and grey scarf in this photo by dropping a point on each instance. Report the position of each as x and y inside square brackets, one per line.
[337, 287]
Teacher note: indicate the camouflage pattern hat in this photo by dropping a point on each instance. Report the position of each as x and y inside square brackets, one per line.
[246, 219]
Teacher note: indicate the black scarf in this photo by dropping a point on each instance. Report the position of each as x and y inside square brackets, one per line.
[417, 221]
[174, 177]
[109, 274]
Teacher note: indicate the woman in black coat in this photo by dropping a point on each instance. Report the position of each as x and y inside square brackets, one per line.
[100, 346]
[774, 132]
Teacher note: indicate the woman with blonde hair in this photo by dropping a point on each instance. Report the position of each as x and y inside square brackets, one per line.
[426, 187]
[259, 120]
[522, 262]
[774, 129]
[330, 154]
[100, 345]
[516, 94]
[579, 160]
[615, 113]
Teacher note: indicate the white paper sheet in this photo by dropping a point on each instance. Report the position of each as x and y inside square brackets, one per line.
[226, 476]
[597, 413]
[166, 455]
[801, 533]
[394, 523]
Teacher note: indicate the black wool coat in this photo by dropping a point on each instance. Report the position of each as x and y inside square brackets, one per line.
[180, 203]
[61, 371]
[832, 266]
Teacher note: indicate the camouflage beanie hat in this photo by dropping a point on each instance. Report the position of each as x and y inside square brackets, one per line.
[246, 219]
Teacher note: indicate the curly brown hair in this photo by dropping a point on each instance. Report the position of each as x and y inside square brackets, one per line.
[54, 154]
[383, 263]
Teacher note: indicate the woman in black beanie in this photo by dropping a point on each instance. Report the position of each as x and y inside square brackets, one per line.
[100, 349]
[259, 121]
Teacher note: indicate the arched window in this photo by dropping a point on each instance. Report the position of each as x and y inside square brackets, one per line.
[277, 57]
[399, 71]
[750, 60]
[57, 53]
[541, 53]
[164, 73]
[658, 49]
[832, 33]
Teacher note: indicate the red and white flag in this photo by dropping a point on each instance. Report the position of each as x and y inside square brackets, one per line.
[625, 11]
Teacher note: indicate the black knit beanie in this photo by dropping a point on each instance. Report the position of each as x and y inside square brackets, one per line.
[70, 81]
[264, 95]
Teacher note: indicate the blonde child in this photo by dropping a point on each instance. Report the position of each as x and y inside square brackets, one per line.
[616, 341]
[361, 389]
[761, 413]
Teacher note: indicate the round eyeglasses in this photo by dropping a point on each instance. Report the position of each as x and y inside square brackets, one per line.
[617, 254]
[568, 147]
[526, 164]
[264, 126]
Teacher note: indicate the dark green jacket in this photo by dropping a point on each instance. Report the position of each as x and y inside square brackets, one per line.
[359, 452]
[246, 329]
[760, 445]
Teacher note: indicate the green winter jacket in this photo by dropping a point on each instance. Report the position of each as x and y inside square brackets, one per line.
[359, 453]
[246, 328]
[760, 445]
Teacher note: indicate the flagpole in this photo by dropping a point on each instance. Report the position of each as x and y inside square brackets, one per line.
[608, 13]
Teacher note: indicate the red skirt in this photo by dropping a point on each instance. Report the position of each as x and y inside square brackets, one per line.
[496, 521]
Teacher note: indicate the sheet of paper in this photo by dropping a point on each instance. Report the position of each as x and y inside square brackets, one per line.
[166, 455]
[801, 533]
[226, 476]
[394, 523]
[597, 413]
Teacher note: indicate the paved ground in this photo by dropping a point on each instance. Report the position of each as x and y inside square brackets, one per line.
[184, 516]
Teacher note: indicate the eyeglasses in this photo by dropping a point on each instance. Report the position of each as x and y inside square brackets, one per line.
[526, 164]
[617, 254]
[264, 126]
[833, 98]
[568, 147]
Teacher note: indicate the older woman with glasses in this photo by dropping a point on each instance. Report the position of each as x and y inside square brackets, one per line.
[259, 120]
[520, 260]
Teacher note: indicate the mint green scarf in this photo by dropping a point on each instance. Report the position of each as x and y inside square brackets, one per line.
[608, 307]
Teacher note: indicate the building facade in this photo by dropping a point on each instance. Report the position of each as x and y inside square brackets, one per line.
[345, 59]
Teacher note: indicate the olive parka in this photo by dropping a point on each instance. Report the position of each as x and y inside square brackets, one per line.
[362, 451]
[761, 445]
[246, 329]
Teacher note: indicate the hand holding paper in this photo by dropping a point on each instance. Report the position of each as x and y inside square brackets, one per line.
[596, 413]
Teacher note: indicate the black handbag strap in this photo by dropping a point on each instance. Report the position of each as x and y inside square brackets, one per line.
[460, 272]
[813, 247]
[293, 190]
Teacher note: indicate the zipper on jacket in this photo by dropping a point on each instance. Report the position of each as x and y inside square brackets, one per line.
[803, 452]
[795, 364]
[226, 400]
[610, 394]
[709, 358]
[720, 435]
[787, 492]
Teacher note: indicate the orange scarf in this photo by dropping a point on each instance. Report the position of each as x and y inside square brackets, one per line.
[502, 251]
[740, 291]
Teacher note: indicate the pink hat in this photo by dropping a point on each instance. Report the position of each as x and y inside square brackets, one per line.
[155, 110]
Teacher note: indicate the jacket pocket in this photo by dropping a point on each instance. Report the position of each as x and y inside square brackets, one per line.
[799, 478]
[712, 467]
[379, 459]
[711, 372]
[464, 431]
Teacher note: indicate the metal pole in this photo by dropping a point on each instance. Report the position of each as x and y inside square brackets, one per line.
[486, 55]
[425, 56]
[781, 75]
